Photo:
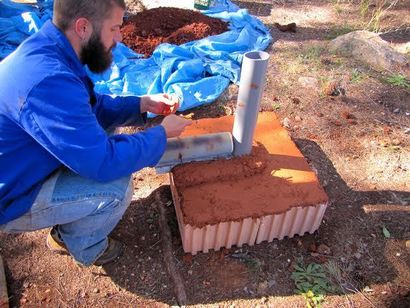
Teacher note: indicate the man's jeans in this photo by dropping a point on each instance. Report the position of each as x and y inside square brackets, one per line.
[85, 211]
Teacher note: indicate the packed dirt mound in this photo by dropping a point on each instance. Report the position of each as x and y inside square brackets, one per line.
[144, 31]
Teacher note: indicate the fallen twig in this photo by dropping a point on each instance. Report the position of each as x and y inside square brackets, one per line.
[168, 256]
[4, 298]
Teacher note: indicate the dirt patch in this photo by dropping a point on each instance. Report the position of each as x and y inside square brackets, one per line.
[144, 31]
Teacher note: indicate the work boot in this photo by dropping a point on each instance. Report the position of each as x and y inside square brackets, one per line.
[112, 252]
[56, 244]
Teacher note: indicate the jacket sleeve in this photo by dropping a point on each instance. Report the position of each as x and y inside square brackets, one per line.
[58, 116]
[113, 112]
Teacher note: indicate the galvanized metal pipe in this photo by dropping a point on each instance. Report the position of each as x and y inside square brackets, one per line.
[195, 148]
[247, 106]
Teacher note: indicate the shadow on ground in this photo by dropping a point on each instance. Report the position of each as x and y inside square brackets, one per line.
[352, 233]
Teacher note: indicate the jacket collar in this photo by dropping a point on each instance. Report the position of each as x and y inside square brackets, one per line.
[55, 34]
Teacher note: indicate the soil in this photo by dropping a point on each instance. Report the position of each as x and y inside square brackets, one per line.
[357, 142]
[144, 31]
[230, 190]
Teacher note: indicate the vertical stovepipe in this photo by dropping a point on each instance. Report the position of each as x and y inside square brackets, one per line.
[247, 106]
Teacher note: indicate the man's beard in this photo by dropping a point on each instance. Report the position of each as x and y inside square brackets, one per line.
[95, 56]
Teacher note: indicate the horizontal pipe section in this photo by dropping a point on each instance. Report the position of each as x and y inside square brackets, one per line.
[195, 148]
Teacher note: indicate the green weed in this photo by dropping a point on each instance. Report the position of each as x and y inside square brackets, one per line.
[398, 80]
[374, 11]
[311, 55]
[338, 31]
[364, 7]
[312, 283]
[275, 106]
[356, 76]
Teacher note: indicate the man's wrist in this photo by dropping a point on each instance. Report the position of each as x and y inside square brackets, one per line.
[143, 104]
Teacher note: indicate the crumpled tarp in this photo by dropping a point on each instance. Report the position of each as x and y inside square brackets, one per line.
[198, 72]
[18, 21]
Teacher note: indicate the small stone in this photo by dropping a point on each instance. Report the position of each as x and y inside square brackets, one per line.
[398, 254]
[190, 272]
[324, 249]
[357, 255]
[397, 110]
[286, 122]
[309, 82]
[47, 291]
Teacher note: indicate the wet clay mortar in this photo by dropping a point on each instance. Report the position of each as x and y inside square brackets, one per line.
[271, 180]
[144, 31]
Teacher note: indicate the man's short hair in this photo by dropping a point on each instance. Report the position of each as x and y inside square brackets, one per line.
[67, 11]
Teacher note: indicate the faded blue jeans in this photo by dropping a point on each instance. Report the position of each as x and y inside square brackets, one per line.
[85, 212]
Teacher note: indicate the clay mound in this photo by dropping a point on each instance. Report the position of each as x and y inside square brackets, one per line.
[237, 168]
[144, 31]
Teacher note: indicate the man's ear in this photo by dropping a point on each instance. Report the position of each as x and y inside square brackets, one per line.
[83, 28]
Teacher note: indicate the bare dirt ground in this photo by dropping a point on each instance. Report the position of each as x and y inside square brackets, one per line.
[356, 139]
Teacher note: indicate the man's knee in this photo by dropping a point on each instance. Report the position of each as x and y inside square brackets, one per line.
[121, 195]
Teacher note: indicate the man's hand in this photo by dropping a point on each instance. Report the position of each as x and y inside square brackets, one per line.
[175, 125]
[161, 104]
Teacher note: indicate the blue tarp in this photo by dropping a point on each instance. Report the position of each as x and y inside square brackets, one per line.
[198, 72]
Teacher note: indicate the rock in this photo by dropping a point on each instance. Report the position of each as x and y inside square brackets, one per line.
[369, 48]
[309, 82]
[403, 48]
[324, 249]
[286, 122]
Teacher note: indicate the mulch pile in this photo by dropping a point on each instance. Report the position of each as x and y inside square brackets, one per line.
[144, 31]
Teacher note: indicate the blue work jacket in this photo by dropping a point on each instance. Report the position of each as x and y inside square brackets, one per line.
[50, 117]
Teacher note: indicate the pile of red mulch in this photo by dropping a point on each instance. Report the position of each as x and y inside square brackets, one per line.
[144, 31]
